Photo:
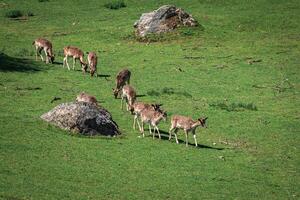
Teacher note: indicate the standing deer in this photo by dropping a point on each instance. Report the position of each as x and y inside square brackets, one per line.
[84, 97]
[187, 124]
[122, 79]
[75, 53]
[153, 117]
[137, 107]
[43, 44]
[92, 60]
[129, 94]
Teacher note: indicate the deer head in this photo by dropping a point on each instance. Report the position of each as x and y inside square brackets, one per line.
[202, 121]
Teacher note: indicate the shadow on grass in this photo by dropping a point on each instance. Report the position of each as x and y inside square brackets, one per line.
[104, 75]
[141, 95]
[11, 64]
[165, 136]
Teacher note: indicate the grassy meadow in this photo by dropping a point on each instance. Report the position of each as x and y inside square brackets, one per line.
[240, 69]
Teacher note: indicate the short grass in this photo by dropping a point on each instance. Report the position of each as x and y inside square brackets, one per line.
[245, 53]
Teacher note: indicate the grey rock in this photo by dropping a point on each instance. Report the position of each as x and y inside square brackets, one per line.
[164, 19]
[83, 118]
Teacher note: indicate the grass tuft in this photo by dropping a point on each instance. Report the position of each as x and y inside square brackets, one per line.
[115, 5]
[168, 91]
[14, 14]
[18, 14]
[234, 106]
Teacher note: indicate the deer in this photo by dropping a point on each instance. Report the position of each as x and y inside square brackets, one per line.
[43, 44]
[84, 97]
[122, 79]
[153, 117]
[129, 94]
[137, 107]
[92, 61]
[187, 124]
[75, 53]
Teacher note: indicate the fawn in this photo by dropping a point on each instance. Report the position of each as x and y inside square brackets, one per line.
[84, 97]
[122, 79]
[137, 107]
[153, 117]
[187, 124]
[129, 94]
[43, 44]
[75, 53]
[92, 60]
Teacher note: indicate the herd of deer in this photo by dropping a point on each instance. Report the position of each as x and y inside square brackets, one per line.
[147, 113]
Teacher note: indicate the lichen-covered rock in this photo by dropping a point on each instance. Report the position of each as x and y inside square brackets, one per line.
[164, 19]
[84, 118]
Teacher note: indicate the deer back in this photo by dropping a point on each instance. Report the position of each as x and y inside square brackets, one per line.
[73, 51]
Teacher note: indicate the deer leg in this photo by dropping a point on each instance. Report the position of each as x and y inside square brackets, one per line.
[151, 130]
[195, 138]
[74, 63]
[157, 131]
[36, 53]
[186, 138]
[47, 58]
[175, 133]
[153, 133]
[142, 130]
[134, 119]
[138, 123]
[122, 99]
[170, 132]
[66, 60]
[40, 53]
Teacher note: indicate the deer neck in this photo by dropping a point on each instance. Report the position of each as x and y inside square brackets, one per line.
[195, 124]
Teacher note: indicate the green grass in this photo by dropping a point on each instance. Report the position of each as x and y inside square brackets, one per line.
[247, 53]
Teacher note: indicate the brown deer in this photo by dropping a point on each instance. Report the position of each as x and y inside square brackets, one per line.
[75, 53]
[43, 44]
[187, 124]
[92, 60]
[153, 117]
[122, 79]
[84, 97]
[137, 107]
[129, 94]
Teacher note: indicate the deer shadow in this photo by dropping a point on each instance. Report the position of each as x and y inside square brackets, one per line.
[11, 64]
[57, 63]
[141, 95]
[103, 75]
[165, 136]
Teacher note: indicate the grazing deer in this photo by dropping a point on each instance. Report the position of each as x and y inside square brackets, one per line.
[137, 107]
[75, 53]
[92, 60]
[153, 117]
[43, 44]
[84, 97]
[187, 124]
[129, 94]
[122, 79]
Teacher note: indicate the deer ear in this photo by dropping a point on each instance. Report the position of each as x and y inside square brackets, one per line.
[205, 118]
